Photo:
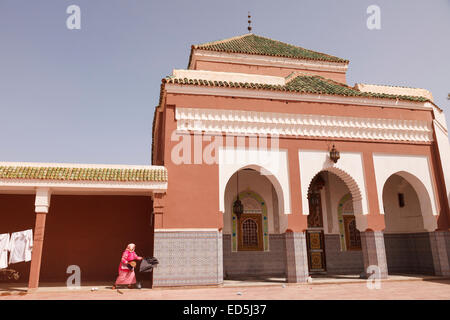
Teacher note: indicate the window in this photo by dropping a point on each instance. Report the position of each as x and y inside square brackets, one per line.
[401, 200]
[250, 232]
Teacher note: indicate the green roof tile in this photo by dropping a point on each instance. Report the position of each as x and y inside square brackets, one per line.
[299, 84]
[253, 44]
[83, 174]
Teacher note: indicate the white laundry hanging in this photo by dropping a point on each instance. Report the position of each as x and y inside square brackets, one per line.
[4, 248]
[21, 246]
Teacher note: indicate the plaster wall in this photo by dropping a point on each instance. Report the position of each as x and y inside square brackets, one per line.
[88, 231]
[265, 70]
[401, 219]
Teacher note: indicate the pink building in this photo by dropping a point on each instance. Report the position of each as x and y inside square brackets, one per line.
[265, 163]
[264, 120]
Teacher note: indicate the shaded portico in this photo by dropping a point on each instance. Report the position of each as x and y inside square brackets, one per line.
[93, 207]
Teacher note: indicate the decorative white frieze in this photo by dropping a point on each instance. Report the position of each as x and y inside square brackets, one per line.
[285, 124]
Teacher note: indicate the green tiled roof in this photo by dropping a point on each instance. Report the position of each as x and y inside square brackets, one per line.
[311, 84]
[253, 44]
[83, 174]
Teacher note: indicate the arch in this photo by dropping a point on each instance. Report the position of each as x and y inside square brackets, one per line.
[426, 207]
[349, 169]
[271, 163]
[274, 180]
[414, 169]
[351, 184]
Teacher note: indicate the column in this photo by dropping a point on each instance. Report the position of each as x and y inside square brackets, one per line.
[158, 210]
[372, 239]
[42, 203]
[374, 253]
[295, 236]
[297, 220]
[296, 257]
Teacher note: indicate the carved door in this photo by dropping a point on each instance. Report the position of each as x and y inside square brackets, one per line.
[352, 235]
[315, 235]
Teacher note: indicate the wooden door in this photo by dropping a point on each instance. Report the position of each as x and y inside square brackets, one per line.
[315, 241]
[352, 235]
[250, 233]
[316, 251]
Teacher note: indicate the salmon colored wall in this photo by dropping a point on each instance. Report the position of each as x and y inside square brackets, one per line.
[248, 104]
[92, 232]
[264, 70]
[88, 231]
[192, 196]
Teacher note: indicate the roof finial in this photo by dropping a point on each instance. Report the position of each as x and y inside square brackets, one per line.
[249, 23]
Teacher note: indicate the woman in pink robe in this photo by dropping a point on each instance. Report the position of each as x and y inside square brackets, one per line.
[127, 276]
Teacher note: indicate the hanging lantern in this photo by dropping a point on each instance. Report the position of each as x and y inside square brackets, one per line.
[238, 207]
[334, 154]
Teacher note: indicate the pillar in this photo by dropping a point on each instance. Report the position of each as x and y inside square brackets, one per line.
[158, 210]
[372, 224]
[296, 257]
[374, 252]
[297, 220]
[42, 203]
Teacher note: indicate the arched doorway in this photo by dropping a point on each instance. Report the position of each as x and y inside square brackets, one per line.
[350, 235]
[253, 242]
[315, 233]
[332, 237]
[409, 221]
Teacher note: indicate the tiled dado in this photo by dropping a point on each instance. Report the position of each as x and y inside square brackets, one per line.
[240, 263]
[447, 243]
[188, 258]
[409, 253]
[440, 252]
[342, 262]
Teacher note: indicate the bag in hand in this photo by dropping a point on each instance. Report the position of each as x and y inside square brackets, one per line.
[131, 265]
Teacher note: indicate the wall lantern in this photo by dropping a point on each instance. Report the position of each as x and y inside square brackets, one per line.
[334, 154]
[238, 207]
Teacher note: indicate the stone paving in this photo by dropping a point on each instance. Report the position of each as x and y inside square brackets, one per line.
[435, 289]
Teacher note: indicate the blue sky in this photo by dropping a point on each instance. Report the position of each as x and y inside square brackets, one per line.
[88, 95]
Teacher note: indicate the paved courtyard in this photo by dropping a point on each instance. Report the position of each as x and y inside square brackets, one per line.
[390, 290]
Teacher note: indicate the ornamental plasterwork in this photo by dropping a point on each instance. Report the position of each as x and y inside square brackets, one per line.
[284, 124]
